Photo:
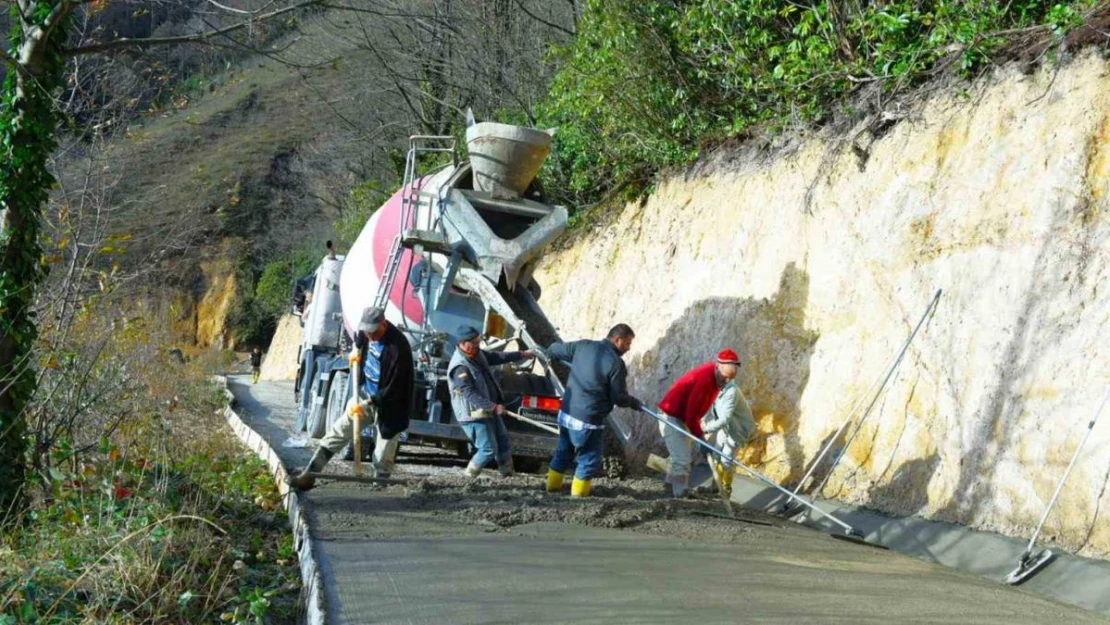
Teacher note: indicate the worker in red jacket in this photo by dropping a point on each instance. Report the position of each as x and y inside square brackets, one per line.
[684, 405]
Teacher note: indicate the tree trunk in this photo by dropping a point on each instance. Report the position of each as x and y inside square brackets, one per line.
[28, 121]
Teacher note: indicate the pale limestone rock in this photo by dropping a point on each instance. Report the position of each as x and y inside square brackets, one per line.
[280, 362]
[1000, 198]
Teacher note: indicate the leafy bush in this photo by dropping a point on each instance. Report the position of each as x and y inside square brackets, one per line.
[164, 519]
[646, 83]
[265, 299]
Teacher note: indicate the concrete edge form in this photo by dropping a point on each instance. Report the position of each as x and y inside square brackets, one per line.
[312, 583]
[1078, 581]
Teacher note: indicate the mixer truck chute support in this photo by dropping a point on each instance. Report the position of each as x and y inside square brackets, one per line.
[457, 246]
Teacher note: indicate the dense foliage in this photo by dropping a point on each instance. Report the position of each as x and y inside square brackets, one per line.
[645, 84]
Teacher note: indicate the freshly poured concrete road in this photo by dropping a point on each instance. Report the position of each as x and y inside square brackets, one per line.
[390, 556]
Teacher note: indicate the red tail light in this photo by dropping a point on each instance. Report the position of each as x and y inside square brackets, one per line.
[547, 404]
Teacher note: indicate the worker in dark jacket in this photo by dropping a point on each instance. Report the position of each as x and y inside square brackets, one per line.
[477, 401]
[597, 383]
[384, 397]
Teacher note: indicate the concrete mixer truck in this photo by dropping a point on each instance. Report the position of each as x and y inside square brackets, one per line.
[323, 340]
[457, 244]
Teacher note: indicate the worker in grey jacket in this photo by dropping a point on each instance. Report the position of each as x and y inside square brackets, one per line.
[728, 425]
[477, 401]
[597, 383]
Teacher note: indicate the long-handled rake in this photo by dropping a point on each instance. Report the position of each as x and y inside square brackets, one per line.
[1029, 564]
[850, 533]
[787, 506]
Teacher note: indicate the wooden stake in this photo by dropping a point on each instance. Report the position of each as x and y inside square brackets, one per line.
[357, 421]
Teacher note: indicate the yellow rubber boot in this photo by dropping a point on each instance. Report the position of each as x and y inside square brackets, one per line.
[554, 481]
[580, 488]
[718, 472]
[726, 480]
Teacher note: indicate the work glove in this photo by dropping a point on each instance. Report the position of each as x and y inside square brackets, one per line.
[357, 410]
[635, 403]
[355, 358]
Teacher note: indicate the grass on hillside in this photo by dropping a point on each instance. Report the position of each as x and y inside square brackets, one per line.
[169, 522]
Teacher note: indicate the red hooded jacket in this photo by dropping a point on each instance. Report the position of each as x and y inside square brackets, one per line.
[692, 396]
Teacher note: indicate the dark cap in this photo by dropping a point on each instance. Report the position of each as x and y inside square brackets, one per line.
[371, 317]
[466, 333]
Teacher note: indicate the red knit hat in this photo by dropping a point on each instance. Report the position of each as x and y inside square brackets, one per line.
[728, 357]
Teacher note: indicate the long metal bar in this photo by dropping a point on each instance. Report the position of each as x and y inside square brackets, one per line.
[756, 474]
[356, 478]
[874, 399]
[1071, 465]
[542, 426]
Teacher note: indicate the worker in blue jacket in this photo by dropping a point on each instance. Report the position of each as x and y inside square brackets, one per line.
[597, 383]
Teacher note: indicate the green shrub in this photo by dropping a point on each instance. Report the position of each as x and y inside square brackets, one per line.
[645, 84]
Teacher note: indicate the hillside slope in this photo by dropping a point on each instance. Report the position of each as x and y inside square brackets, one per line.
[816, 263]
[254, 165]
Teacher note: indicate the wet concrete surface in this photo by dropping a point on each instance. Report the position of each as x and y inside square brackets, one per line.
[444, 548]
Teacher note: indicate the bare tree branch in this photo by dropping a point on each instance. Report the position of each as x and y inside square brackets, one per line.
[147, 42]
[563, 29]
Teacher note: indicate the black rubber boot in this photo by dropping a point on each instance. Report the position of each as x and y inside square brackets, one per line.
[303, 481]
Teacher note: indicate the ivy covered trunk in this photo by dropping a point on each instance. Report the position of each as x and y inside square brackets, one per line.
[28, 120]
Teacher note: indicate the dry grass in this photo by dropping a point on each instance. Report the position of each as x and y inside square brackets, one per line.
[169, 522]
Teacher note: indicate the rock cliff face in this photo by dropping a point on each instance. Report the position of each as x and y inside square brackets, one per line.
[816, 263]
[281, 361]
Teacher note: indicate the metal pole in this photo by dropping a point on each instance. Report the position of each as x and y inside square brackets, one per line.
[1060, 486]
[874, 399]
[542, 426]
[756, 474]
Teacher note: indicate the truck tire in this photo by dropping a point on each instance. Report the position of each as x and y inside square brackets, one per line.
[613, 461]
[337, 398]
[317, 422]
[462, 450]
[527, 464]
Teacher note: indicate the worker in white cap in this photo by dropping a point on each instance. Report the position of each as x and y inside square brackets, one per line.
[383, 399]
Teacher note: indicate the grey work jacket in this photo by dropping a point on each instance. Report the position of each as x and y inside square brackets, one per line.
[473, 390]
[731, 413]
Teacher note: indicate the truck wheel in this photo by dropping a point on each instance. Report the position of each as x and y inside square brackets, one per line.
[462, 450]
[527, 464]
[612, 462]
[337, 398]
[317, 418]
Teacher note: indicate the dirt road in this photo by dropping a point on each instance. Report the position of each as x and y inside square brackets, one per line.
[443, 548]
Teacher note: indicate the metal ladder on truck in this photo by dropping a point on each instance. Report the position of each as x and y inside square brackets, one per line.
[410, 201]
